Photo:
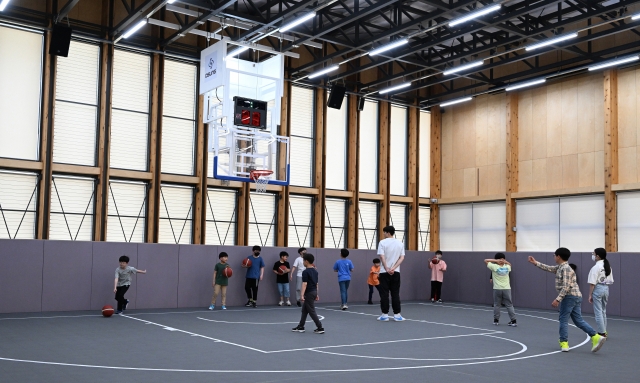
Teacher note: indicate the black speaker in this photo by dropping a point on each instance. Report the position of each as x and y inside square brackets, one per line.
[336, 96]
[361, 104]
[60, 40]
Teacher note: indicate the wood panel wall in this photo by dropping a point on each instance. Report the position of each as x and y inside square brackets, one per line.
[629, 126]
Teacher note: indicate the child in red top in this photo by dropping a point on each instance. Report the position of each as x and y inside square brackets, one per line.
[438, 267]
[373, 278]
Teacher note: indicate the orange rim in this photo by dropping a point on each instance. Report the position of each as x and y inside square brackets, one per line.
[255, 174]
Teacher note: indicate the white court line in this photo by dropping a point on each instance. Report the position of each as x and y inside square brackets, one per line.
[523, 348]
[192, 333]
[320, 317]
[408, 320]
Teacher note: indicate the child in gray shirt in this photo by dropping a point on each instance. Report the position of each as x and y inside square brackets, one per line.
[123, 281]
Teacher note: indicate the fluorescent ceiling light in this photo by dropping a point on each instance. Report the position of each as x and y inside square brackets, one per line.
[552, 41]
[456, 101]
[237, 52]
[634, 17]
[171, 1]
[3, 4]
[474, 15]
[298, 21]
[526, 84]
[324, 71]
[614, 62]
[463, 67]
[388, 47]
[395, 87]
[135, 28]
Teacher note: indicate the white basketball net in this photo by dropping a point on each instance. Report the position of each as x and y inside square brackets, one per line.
[261, 183]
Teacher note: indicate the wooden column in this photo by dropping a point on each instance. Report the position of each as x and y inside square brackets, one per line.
[383, 164]
[413, 173]
[104, 141]
[46, 139]
[242, 224]
[319, 170]
[435, 176]
[512, 169]
[283, 196]
[353, 134]
[200, 198]
[155, 144]
[610, 158]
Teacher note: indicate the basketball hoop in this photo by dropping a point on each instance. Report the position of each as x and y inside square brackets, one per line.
[261, 178]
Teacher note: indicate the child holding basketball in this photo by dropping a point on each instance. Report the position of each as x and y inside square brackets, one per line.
[281, 269]
[373, 279]
[309, 295]
[123, 281]
[255, 273]
[500, 270]
[438, 267]
[220, 281]
[569, 300]
[343, 267]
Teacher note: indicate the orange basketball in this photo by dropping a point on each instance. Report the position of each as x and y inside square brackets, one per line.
[246, 262]
[227, 272]
[282, 269]
[435, 260]
[107, 311]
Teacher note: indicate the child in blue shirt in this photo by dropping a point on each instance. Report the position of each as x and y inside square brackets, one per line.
[255, 273]
[343, 267]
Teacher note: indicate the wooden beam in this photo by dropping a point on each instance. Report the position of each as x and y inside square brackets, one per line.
[353, 134]
[559, 192]
[155, 145]
[104, 141]
[319, 178]
[180, 179]
[225, 184]
[610, 158]
[130, 174]
[46, 138]
[384, 141]
[401, 199]
[413, 184]
[512, 170]
[199, 216]
[303, 190]
[371, 196]
[624, 187]
[283, 196]
[338, 193]
[435, 177]
[480, 198]
[76, 169]
[9, 163]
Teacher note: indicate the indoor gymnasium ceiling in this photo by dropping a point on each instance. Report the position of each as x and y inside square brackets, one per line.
[344, 31]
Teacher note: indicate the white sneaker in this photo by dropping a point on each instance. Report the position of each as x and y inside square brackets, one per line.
[280, 303]
[288, 303]
[344, 307]
[398, 318]
[383, 318]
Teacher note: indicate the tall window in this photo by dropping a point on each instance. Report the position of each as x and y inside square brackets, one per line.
[20, 79]
[300, 221]
[18, 196]
[179, 118]
[334, 223]
[336, 159]
[221, 217]
[368, 228]
[130, 110]
[473, 227]
[368, 147]
[628, 204]
[425, 155]
[302, 137]
[126, 221]
[424, 228]
[262, 219]
[398, 148]
[72, 208]
[76, 110]
[176, 214]
[398, 219]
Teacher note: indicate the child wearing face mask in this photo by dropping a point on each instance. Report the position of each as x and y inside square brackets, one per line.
[600, 277]
[438, 267]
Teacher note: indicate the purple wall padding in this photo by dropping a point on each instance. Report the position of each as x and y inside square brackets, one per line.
[21, 282]
[629, 280]
[523, 276]
[614, 304]
[105, 262]
[66, 276]
[415, 276]
[195, 275]
[159, 287]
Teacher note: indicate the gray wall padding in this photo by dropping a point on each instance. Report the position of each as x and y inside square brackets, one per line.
[21, 282]
[65, 276]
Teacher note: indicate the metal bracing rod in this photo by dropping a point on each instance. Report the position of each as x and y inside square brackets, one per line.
[136, 15]
[219, 7]
[65, 10]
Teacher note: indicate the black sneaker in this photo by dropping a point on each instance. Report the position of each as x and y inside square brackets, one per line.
[513, 323]
[298, 329]
[369, 303]
[299, 304]
[496, 322]
[253, 304]
[248, 304]
[319, 330]
[125, 305]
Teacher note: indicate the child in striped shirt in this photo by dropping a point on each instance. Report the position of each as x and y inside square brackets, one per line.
[569, 299]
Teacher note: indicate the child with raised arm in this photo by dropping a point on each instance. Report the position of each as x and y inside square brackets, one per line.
[123, 281]
[500, 270]
[569, 299]
[373, 279]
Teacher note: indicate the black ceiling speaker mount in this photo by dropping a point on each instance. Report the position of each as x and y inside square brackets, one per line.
[336, 96]
[60, 40]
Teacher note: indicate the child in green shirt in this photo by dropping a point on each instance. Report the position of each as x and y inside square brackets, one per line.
[220, 282]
